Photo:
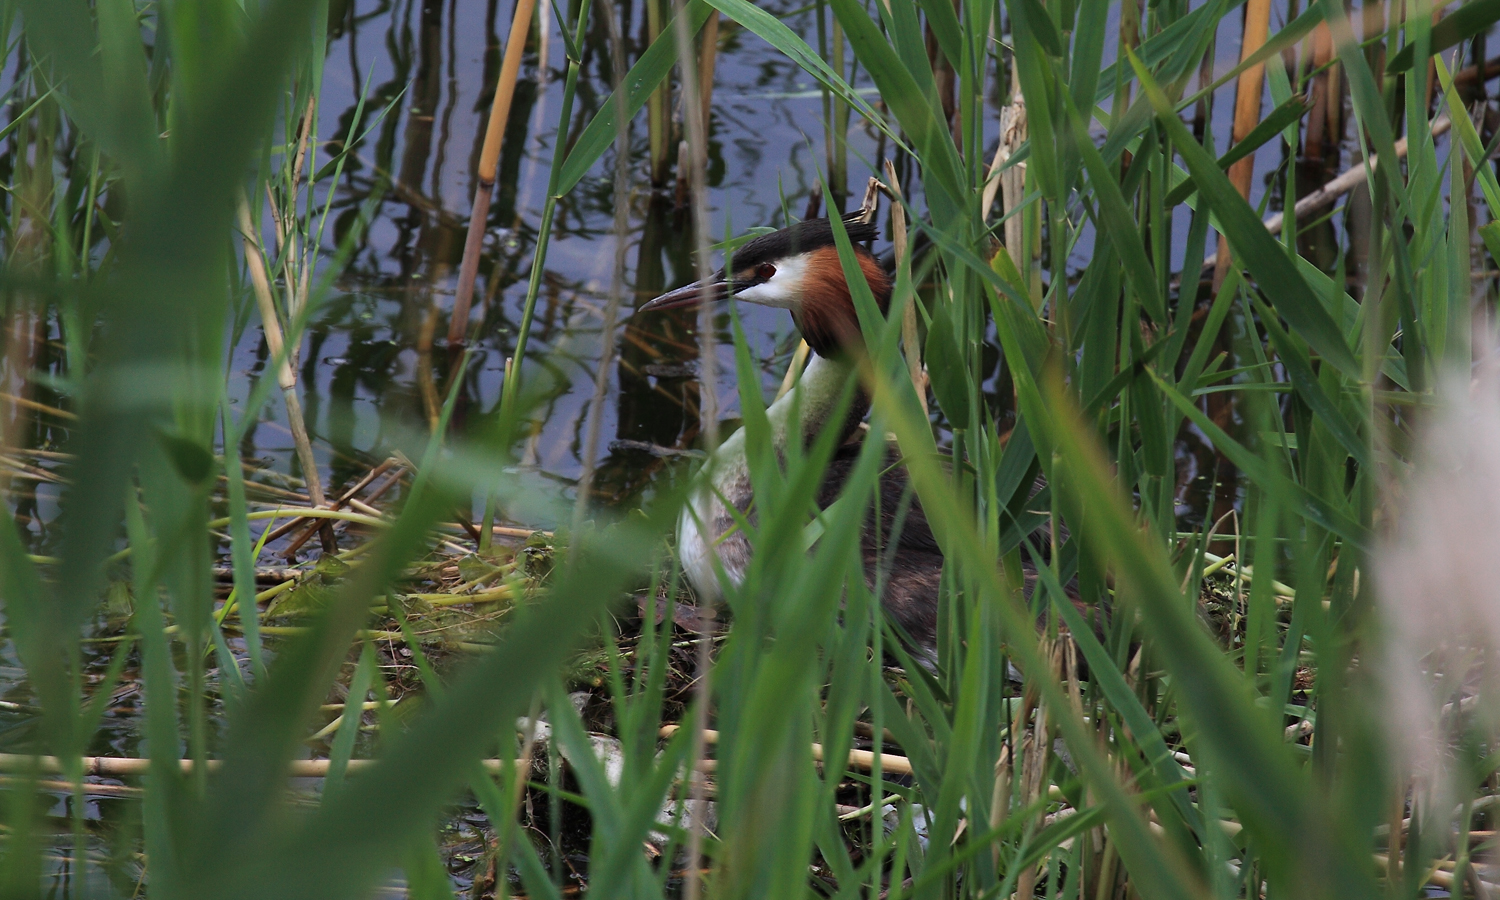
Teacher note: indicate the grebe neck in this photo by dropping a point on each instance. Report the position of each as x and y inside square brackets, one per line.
[706, 532]
[816, 398]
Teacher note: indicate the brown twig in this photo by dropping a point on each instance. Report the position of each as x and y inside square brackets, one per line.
[392, 480]
[814, 201]
[345, 498]
[1484, 71]
[466, 525]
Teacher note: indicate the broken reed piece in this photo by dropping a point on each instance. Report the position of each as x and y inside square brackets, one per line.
[124, 767]
[343, 499]
[869, 205]
[489, 160]
[88, 789]
[270, 574]
[39, 407]
[684, 176]
[858, 759]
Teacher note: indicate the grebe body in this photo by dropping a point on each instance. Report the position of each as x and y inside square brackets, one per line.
[798, 269]
[702, 528]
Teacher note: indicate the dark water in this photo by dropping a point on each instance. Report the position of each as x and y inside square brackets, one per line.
[767, 145]
[368, 373]
[363, 367]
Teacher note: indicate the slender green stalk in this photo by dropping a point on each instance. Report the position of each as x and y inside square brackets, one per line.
[512, 386]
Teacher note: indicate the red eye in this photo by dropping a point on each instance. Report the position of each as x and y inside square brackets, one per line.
[764, 271]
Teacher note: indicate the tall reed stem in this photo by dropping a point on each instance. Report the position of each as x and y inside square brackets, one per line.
[1246, 113]
[489, 160]
[696, 163]
[286, 377]
[544, 229]
[622, 243]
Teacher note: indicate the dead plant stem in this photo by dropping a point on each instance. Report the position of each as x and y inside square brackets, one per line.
[286, 376]
[489, 160]
[695, 160]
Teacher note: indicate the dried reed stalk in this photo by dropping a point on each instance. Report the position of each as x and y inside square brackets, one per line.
[1035, 747]
[658, 105]
[124, 767]
[910, 340]
[489, 160]
[693, 162]
[858, 759]
[708, 58]
[1324, 92]
[1246, 113]
[1012, 187]
[286, 377]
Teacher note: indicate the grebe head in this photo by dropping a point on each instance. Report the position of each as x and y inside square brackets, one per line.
[796, 269]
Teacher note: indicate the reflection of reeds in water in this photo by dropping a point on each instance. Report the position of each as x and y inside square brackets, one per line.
[658, 118]
[1175, 445]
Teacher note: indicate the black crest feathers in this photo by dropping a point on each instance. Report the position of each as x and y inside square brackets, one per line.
[803, 237]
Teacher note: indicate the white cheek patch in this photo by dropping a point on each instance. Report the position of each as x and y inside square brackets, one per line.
[783, 290]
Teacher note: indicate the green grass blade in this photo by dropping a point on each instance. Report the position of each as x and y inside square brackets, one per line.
[1458, 26]
[1301, 850]
[644, 77]
[1300, 369]
[1279, 119]
[1116, 222]
[1252, 244]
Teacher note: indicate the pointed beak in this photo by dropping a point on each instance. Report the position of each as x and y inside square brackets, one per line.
[695, 294]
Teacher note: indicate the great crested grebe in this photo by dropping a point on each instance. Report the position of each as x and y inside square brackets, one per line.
[798, 269]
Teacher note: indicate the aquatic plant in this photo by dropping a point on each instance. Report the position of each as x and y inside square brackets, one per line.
[1217, 729]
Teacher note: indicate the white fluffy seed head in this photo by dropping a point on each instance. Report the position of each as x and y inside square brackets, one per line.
[1439, 597]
